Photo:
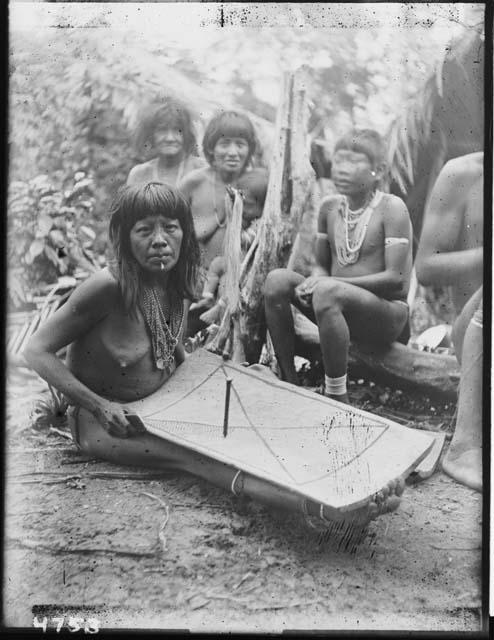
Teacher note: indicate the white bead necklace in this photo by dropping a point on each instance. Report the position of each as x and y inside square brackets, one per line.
[355, 223]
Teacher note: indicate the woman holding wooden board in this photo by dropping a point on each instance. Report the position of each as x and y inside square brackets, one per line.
[124, 328]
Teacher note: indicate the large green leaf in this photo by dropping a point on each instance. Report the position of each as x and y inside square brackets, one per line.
[51, 254]
[57, 238]
[36, 247]
[45, 223]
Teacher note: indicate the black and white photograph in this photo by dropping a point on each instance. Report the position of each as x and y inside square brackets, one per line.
[244, 317]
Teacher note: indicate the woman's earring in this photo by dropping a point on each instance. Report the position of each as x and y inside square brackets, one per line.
[373, 174]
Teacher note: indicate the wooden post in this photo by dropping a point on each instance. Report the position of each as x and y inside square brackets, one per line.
[291, 178]
[227, 406]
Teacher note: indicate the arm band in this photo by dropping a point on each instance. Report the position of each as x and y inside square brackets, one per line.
[390, 241]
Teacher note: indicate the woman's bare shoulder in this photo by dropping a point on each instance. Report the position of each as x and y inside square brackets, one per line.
[464, 167]
[395, 215]
[140, 172]
[393, 204]
[103, 278]
[101, 288]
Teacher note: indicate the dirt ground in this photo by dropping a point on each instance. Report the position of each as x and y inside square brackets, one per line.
[83, 536]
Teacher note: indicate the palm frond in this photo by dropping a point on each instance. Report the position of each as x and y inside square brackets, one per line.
[412, 130]
[407, 134]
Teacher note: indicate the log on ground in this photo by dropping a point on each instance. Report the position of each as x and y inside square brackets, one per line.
[396, 364]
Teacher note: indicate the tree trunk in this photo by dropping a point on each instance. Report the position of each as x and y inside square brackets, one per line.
[226, 339]
[290, 184]
[242, 331]
[407, 368]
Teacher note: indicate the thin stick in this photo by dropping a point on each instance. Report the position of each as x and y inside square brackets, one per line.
[269, 607]
[60, 433]
[227, 406]
[436, 546]
[31, 544]
[130, 475]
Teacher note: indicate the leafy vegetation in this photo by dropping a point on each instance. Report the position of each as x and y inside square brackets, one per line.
[50, 233]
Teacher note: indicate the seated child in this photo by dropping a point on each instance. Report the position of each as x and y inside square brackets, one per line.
[359, 285]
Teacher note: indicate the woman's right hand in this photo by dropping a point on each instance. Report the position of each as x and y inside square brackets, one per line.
[112, 417]
[304, 291]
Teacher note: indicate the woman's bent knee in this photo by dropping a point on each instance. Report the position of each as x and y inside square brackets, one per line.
[328, 295]
[278, 283]
[89, 436]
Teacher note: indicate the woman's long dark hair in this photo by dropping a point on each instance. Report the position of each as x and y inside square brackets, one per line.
[172, 113]
[366, 141]
[133, 203]
[228, 124]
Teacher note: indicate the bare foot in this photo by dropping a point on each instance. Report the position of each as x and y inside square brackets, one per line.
[385, 501]
[464, 467]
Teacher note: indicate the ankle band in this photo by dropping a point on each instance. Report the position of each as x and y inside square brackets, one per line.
[335, 386]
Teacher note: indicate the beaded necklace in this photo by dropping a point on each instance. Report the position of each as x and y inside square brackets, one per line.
[164, 335]
[351, 227]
